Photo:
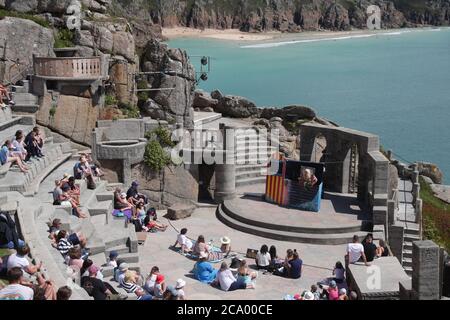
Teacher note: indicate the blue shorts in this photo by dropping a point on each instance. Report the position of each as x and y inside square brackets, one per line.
[73, 239]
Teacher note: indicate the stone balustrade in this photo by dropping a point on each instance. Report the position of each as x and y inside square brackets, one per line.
[68, 68]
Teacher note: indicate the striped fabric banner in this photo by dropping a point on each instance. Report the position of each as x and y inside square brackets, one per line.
[276, 190]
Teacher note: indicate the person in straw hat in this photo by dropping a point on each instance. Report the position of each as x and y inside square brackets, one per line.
[179, 287]
[225, 245]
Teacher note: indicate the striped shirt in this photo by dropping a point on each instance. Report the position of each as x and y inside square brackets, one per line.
[63, 246]
[130, 287]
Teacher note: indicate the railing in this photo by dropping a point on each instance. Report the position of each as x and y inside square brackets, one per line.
[75, 68]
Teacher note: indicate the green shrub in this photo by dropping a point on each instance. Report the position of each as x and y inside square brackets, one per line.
[64, 38]
[110, 100]
[52, 112]
[155, 157]
[40, 21]
[142, 95]
[130, 111]
[162, 135]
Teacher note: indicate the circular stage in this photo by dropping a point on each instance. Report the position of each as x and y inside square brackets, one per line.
[339, 219]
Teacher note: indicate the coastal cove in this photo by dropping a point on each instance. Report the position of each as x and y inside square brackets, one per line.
[394, 84]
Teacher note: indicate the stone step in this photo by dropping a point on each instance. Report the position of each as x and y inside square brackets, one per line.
[19, 89]
[129, 257]
[407, 253]
[121, 249]
[25, 108]
[312, 238]
[408, 270]
[96, 244]
[250, 167]
[407, 262]
[411, 237]
[105, 196]
[100, 208]
[250, 181]
[251, 174]
[407, 245]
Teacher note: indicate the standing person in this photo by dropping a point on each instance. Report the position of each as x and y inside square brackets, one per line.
[227, 281]
[370, 249]
[15, 290]
[263, 258]
[355, 251]
[184, 241]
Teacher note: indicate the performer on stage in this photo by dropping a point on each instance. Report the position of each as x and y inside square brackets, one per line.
[307, 178]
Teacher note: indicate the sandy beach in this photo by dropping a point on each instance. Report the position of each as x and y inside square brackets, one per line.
[236, 35]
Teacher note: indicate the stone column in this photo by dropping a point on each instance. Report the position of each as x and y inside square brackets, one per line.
[415, 191]
[391, 211]
[396, 241]
[225, 171]
[426, 271]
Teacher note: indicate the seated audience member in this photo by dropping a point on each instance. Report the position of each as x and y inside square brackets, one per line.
[7, 156]
[246, 275]
[120, 201]
[353, 295]
[292, 267]
[315, 291]
[19, 259]
[64, 293]
[382, 250]
[15, 290]
[57, 193]
[154, 284]
[95, 166]
[225, 246]
[370, 248]
[74, 191]
[5, 94]
[152, 225]
[179, 287]
[171, 294]
[133, 195]
[203, 270]
[355, 251]
[9, 239]
[227, 281]
[339, 272]
[343, 294]
[98, 289]
[76, 238]
[75, 260]
[82, 170]
[45, 287]
[130, 286]
[34, 143]
[275, 262]
[263, 258]
[200, 246]
[183, 241]
[84, 271]
[67, 199]
[63, 243]
[112, 260]
[19, 145]
[331, 291]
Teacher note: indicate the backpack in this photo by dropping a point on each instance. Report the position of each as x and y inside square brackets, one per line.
[8, 231]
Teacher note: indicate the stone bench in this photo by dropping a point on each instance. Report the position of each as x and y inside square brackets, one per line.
[180, 211]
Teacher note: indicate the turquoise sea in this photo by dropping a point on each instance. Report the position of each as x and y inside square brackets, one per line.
[396, 85]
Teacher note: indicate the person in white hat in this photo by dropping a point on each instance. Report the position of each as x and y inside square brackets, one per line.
[308, 296]
[343, 294]
[225, 246]
[179, 287]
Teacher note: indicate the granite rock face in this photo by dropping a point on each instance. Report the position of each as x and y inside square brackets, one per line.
[236, 107]
[21, 39]
[284, 15]
[180, 211]
[289, 113]
[174, 102]
[203, 100]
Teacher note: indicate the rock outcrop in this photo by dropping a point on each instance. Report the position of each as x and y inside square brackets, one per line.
[289, 113]
[236, 107]
[20, 40]
[174, 74]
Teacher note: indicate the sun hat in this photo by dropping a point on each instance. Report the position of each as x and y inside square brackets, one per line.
[225, 240]
[333, 284]
[180, 284]
[342, 291]
[93, 269]
[123, 267]
[123, 195]
[66, 175]
[159, 278]
[308, 296]
[113, 254]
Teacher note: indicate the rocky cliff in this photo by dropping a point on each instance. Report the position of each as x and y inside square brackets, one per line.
[284, 15]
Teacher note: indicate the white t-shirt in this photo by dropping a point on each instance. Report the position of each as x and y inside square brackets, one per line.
[183, 240]
[150, 283]
[16, 292]
[180, 292]
[354, 250]
[263, 260]
[225, 279]
[17, 261]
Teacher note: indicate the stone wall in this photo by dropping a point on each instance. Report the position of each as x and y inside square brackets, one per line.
[74, 117]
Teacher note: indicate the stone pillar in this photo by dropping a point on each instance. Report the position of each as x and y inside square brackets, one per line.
[126, 173]
[391, 211]
[426, 271]
[306, 146]
[396, 241]
[415, 176]
[415, 191]
[418, 211]
[226, 172]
